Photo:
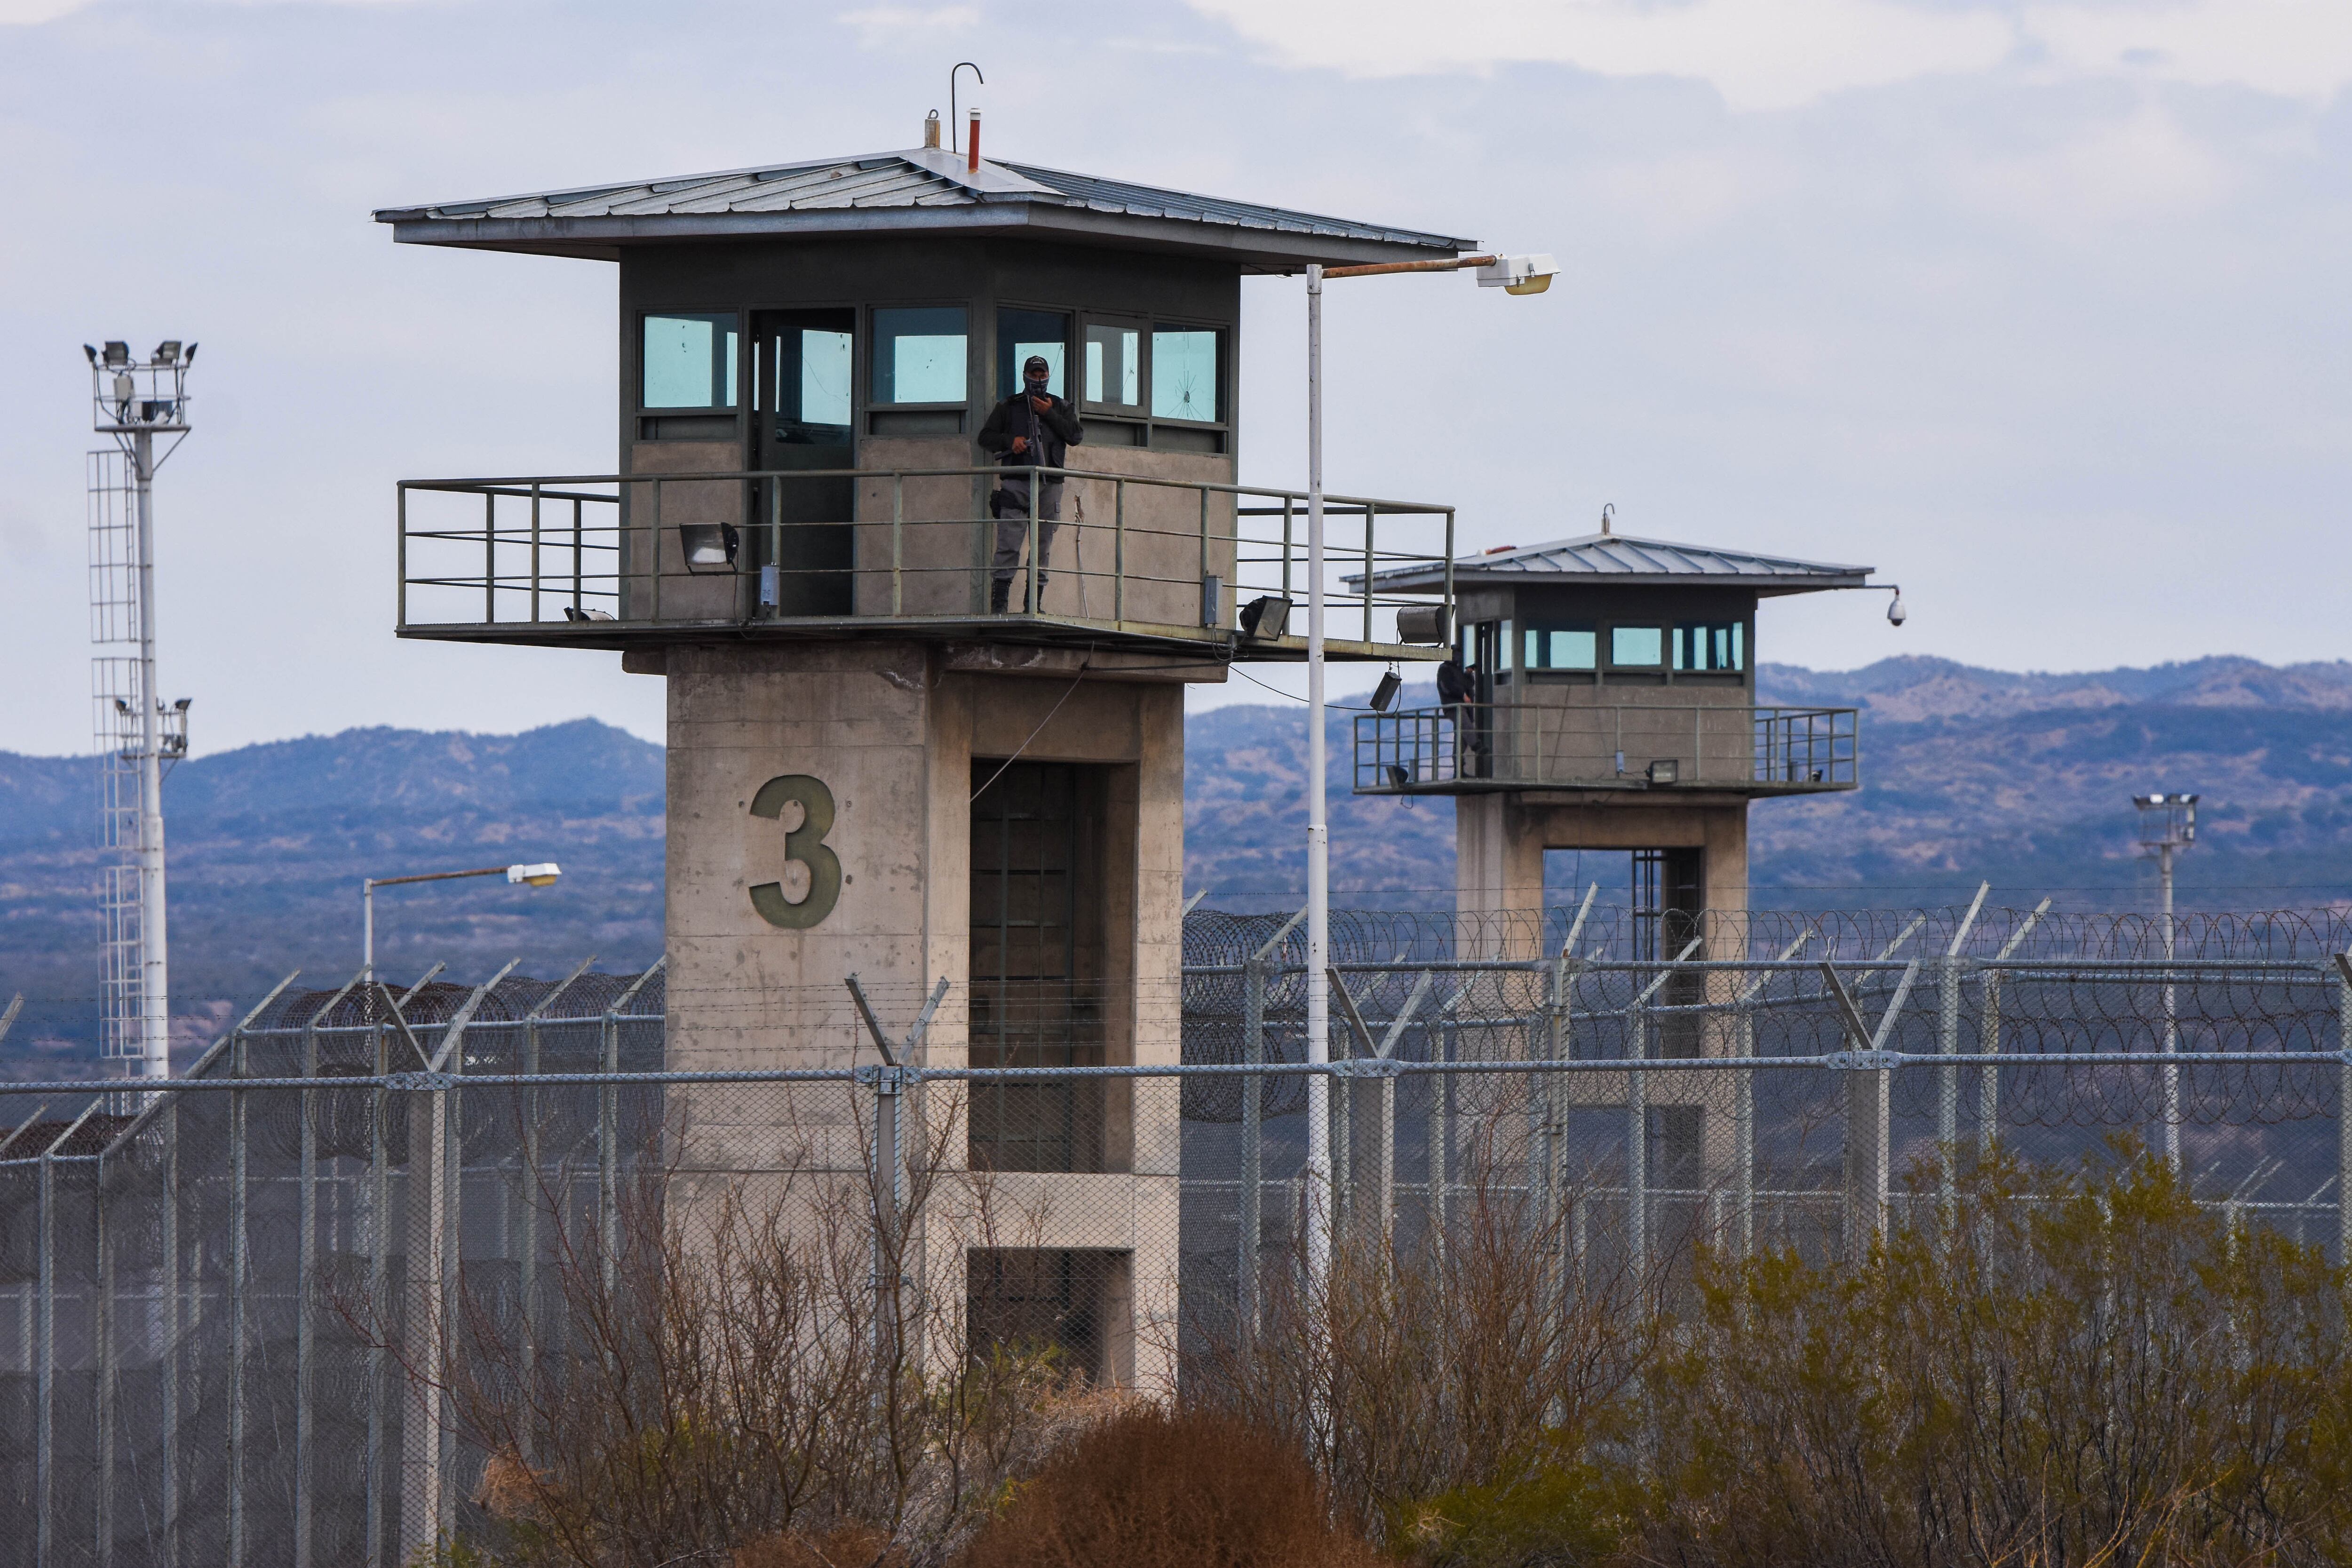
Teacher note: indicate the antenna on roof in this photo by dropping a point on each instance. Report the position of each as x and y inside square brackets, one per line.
[960, 66]
[1607, 512]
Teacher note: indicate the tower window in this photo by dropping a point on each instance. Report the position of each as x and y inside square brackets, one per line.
[1637, 648]
[919, 354]
[689, 361]
[1184, 374]
[1114, 366]
[1019, 335]
[1711, 645]
[1561, 647]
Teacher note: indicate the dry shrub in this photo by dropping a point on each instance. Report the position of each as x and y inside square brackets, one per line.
[2076, 1368]
[712, 1374]
[1427, 1381]
[1152, 1487]
[843, 1546]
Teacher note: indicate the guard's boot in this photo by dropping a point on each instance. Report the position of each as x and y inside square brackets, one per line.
[1037, 605]
[1000, 589]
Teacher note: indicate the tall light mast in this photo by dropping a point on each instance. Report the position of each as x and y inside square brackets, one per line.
[138, 736]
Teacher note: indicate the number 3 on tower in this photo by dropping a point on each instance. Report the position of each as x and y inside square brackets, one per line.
[804, 844]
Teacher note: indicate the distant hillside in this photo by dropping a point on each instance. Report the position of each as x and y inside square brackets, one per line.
[1969, 773]
[269, 845]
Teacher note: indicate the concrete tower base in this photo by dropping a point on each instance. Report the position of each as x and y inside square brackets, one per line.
[895, 740]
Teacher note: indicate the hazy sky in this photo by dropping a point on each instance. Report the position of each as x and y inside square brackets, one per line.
[2041, 309]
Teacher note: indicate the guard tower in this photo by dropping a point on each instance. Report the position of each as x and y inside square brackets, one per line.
[1611, 705]
[868, 772]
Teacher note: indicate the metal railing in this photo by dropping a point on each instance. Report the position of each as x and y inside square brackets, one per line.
[1620, 745]
[595, 556]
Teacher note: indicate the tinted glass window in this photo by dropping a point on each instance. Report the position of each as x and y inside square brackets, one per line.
[690, 362]
[919, 354]
[805, 372]
[1019, 335]
[1114, 366]
[1711, 645]
[1184, 375]
[1637, 646]
[1563, 647]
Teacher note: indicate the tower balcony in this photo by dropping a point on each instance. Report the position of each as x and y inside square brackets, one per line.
[1471, 748]
[1147, 565]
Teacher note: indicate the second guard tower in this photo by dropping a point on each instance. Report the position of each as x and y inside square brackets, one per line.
[1608, 703]
[871, 772]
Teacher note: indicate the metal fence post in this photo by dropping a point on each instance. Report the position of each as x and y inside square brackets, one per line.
[1637, 1141]
[168, 1366]
[109, 1379]
[305, 1271]
[240, 1262]
[1948, 1083]
[45, 1364]
[2343, 1108]
[379, 1209]
[1743, 1129]
[1253, 1150]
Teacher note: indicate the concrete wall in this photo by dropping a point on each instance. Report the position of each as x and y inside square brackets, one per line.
[1500, 841]
[893, 730]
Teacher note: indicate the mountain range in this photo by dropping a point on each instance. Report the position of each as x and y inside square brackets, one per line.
[1968, 774]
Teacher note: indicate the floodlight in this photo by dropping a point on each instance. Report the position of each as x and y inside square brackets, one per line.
[1518, 274]
[118, 353]
[537, 876]
[1397, 777]
[92, 352]
[183, 703]
[1666, 771]
[1265, 619]
[709, 546]
[1385, 693]
[168, 352]
[1427, 626]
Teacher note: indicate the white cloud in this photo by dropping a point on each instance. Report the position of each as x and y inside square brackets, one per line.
[1760, 54]
[1777, 54]
[878, 24]
[24, 13]
[2294, 49]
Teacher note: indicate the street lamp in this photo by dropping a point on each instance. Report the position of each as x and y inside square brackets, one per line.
[1513, 275]
[539, 875]
[2167, 824]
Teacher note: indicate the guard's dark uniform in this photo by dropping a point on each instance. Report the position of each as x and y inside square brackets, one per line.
[1050, 437]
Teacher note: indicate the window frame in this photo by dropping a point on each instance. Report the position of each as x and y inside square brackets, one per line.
[1549, 628]
[743, 372]
[1140, 412]
[1740, 636]
[1223, 334]
[1073, 349]
[858, 358]
[867, 402]
[1661, 666]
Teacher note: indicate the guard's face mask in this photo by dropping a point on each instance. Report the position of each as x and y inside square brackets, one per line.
[1036, 386]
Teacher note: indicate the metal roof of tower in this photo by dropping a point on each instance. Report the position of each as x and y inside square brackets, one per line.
[924, 190]
[1620, 559]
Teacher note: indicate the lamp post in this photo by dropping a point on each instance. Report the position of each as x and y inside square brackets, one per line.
[533, 876]
[2167, 824]
[1516, 275]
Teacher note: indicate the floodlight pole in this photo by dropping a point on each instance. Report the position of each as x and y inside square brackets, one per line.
[1532, 274]
[1319, 1195]
[154, 950]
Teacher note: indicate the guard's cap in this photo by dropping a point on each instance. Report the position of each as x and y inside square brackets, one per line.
[1035, 365]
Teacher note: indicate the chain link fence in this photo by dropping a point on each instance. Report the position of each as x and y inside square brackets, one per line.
[385, 1249]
